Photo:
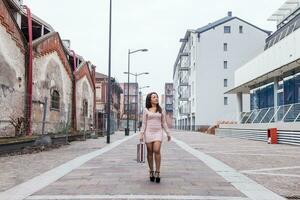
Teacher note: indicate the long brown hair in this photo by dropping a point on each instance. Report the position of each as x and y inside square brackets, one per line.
[148, 102]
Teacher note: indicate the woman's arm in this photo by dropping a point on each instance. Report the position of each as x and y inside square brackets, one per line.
[144, 122]
[164, 123]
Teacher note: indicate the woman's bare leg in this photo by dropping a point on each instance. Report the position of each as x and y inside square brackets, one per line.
[156, 149]
[150, 155]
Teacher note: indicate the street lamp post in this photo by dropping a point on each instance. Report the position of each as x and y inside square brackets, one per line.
[136, 95]
[109, 75]
[140, 103]
[128, 71]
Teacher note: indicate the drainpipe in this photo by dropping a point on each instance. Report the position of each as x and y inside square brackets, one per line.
[74, 91]
[29, 77]
[94, 82]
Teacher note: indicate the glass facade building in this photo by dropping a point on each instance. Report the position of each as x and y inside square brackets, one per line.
[288, 92]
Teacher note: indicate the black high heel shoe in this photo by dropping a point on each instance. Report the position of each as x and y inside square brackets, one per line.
[152, 177]
[157, 177]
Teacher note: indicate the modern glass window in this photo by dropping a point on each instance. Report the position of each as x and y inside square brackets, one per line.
[225, 82]
[225, 64]
[55, 100]
[262, 97]
[241, 30]
[252, 103]
[297, 88]
[270, 95]
[227, 29]
[225, 101]
[280, 100]
[256, 99]
[225, 47]
[289, 91]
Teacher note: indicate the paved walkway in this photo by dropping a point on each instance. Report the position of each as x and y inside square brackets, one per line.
[194, 166]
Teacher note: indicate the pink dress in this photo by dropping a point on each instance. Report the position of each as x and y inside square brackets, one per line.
[153, 125]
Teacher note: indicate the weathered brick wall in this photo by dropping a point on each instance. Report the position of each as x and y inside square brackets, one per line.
[10, 26]
[12, 72]
[52, 43]
[84, 90]
[50, 73]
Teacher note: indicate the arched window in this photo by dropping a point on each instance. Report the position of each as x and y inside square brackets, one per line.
[55, 100]
[85, 108]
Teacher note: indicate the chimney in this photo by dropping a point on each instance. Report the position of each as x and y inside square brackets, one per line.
[229, 14]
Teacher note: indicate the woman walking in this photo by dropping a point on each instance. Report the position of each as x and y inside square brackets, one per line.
[154, 121]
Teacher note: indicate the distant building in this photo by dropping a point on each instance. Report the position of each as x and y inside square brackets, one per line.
[101, 103]
[133, 106]
[204, 70]
[168, 103]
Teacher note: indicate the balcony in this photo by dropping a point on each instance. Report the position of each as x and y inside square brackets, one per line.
[185, 109]
[184, 68]
[184, 54]
[183, 81]
[184, 92]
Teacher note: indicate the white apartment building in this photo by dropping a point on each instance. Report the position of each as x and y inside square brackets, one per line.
[204, 71]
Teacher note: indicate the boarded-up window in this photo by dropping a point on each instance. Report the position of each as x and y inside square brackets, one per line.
[85, 108]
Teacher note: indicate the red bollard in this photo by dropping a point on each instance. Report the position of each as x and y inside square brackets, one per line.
[272, 135]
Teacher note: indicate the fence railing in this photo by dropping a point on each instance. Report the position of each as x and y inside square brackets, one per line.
[284, 113]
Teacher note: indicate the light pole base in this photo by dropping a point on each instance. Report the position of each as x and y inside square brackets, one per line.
[126, 131]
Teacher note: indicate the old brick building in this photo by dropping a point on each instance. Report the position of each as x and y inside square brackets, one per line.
[101, 103]
[85, 95]
[52, 79]
[37, 69]
[12, 71]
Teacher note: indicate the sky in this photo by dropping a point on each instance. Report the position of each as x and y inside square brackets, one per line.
[153, 24]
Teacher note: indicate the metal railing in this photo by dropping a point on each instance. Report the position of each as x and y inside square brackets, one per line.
[284, 113]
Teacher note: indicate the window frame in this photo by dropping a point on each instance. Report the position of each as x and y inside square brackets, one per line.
[241, 29]
[225, 82]
[226, 102]
[227, 28]
[85, 108]
[54, 100]
[225, 46]
[225, 64]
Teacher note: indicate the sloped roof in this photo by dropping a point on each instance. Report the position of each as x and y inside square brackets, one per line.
[213, 24]
[100, 75]
[224, 20]
[208, 27]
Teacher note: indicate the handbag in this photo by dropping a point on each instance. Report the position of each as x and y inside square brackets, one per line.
[141, 152]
